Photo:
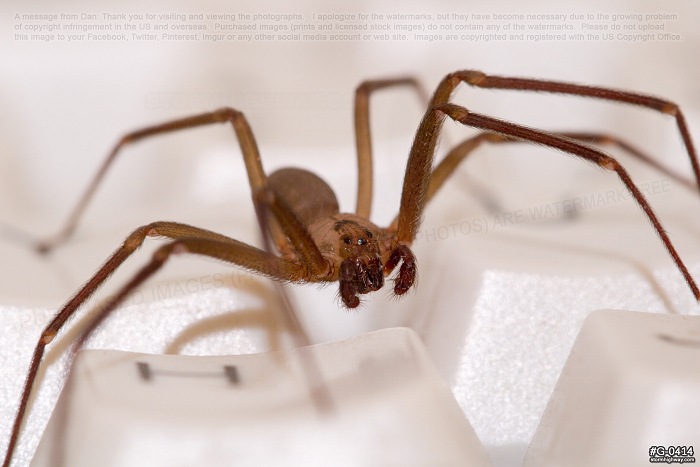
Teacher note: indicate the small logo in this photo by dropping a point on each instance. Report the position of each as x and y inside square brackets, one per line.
[671, 455]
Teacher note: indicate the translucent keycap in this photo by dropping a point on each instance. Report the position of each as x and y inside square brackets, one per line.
[390, 409]
[630, 385]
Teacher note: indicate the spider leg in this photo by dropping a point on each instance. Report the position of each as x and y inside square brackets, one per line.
[363, 138]
[604, 139]
[481, 80]
[419, 167]
[236, 119]
[459, 153]
[420, 161]
[186, 238]
[511, 130]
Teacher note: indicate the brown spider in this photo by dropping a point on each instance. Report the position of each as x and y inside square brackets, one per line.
[299, 212]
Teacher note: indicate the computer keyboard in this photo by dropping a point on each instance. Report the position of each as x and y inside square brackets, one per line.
[626, 397]
[386, 406]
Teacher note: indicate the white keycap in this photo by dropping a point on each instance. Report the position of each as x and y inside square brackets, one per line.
[631, 384]
[392, 409]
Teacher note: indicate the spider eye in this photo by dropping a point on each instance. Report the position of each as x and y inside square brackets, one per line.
[347, 240]
[361, 241]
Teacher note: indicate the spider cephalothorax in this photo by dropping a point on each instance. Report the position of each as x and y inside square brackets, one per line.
[361, 254]
[356, 251]
[361, 268]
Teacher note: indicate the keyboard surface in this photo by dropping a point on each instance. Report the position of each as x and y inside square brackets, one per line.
[498, 331]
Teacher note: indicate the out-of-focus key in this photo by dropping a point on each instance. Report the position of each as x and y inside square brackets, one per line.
[391, 409]
[628, 395]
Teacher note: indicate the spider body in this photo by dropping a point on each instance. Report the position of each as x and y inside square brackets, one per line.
[358, 253]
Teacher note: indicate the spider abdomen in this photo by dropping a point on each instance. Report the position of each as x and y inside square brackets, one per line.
[307, 194]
